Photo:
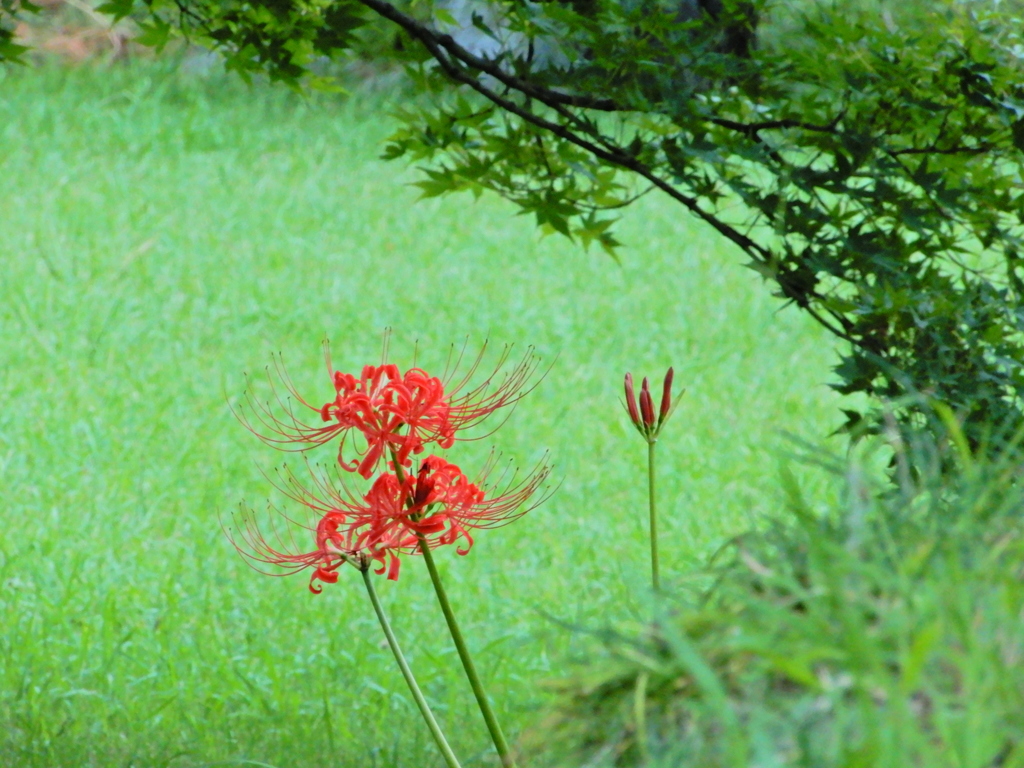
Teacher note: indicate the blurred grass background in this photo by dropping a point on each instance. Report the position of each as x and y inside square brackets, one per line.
[166, 232]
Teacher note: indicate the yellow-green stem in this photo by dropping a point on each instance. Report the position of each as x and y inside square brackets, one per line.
[493, 727]
[417, 694]
[497, 736]
[653, 515]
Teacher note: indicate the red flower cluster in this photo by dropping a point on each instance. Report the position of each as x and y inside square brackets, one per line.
[395, 415]
[379, 405]
[435, 507]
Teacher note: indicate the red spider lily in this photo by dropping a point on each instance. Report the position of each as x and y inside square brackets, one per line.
[398, 515]
[340, 528]
[394, 413]
[642, 416]
[397, 414]
[332, 535]
[440, 505]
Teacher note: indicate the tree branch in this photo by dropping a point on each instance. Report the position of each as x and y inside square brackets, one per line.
[615, 155]
[454, 59]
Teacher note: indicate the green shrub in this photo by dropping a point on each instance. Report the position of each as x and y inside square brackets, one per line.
[886, 633]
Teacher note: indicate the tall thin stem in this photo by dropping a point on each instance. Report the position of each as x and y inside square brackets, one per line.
[417, 694]
[500, 744]
[493, 727]
[653, 514]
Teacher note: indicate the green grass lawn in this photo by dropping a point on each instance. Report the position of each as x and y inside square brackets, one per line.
[163, 234]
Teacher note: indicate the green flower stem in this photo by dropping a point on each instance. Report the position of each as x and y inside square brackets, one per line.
[497, 736]
[417, 694]
[654, 515]
[460, 644]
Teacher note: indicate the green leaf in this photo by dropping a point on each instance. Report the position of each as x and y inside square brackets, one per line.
[444, 15]
[154, 35]
[119, 9]
[924, 640]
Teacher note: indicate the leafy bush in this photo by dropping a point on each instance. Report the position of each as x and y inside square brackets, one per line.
[887, 633]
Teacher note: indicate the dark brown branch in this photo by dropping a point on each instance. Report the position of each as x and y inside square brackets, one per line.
[749, 129]
[617, 156]
[487, 66]
[553, 98]
[444, 49]
[933, 150]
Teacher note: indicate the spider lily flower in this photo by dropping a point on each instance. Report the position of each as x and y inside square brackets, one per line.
[394, 414]
[267, 545]
[642, 413]
[436, 506]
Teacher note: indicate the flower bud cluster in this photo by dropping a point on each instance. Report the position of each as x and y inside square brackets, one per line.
[641, 413]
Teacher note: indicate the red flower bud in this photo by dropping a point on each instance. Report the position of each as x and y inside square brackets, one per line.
[666, 396]
[647, 405]
[634, 414]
